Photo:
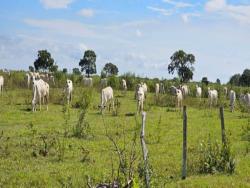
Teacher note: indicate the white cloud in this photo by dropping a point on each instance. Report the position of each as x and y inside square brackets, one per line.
[186, 17]
[56, 4]
[87, 12]
[163, 11]
[138, 33]
[240, 13]
[178, 4]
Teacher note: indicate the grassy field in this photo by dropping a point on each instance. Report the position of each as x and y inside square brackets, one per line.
[70, 160]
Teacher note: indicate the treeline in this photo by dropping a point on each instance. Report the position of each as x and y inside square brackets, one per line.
[241, 79]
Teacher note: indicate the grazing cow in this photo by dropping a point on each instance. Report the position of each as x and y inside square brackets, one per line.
[40, 92]
[157, 89]
[145, 89]
[198, 92]
[232, 97]
[184, 90]
[124, 85]
[140, 99]
[69, 90]
[162, 89]
[1, 84]
[212, 97]
[179, 98]
[104, 82]
[225, 91]
[107, 96]
[88, 82]
[245, 99]
[28, 78]
[172, 90]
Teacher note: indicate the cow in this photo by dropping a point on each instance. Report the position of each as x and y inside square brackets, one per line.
[198, 92]
[140, 99]
[225, 91]
[232, 97]
[1, 84]
[212, 97]
[245, 99]
[104, 83]
[28, 78]
[88, 82]
[184, 90]
[136, 90]
[162, 89]
[145, 89]
[157, 89]
[172, 90]
[107, 95]
[69, 90]
[124, 85]
[40, 93]
[179, 98]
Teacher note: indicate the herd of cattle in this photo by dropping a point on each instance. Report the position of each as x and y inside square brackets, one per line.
[41, 92]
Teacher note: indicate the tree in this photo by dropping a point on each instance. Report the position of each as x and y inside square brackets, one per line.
[87, 63]
[53, 68]
[110, 69]
[245, 78]
[65, 70]
[218, 81]
[44, 60]
[31, 69]
[204, 80]
[76, 71]
[183, 64]
[235, 79]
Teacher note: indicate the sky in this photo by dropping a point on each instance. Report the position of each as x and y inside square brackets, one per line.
[138, 36]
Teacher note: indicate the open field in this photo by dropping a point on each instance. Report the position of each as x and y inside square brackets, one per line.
[71, 160]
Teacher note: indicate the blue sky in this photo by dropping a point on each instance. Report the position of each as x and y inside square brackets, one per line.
[137, 35]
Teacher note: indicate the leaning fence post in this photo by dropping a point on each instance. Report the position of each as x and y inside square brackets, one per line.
[184, 148]
[223, 136]
[144, 150]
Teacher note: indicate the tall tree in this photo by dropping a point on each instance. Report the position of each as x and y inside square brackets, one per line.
[76, 71]
[204, 80]
[182, 63]
[31, 69]
[218, 81]
[44, 61]
[235, 80]
[53, 68]
[245, 78]
[87, 63]
[110, 69]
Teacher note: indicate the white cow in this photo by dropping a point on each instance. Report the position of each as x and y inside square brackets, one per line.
[145, 89]
[28, 78]
[162, 88]
[40, 93]
[69, 90]
[212, 96]
[124, 85]
[179, 98]
[232, 97]
[107, 95]
[88, 82]
[140, 99]
[184, 90]
[198, 92]
[1, 84]
[157, 89]
[245, 99]
[104, 82]
[225, 91]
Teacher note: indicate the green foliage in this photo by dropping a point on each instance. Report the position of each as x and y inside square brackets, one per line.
[218, 81]
[245, 78]
[44, 60]
[65, 70]
[205, 81]
[235, 80]
[216, 158]
[183, 64]
[31, 69]
[110, 69]
[113, 81]
[76, 71]
[87, 63]
[53, 68]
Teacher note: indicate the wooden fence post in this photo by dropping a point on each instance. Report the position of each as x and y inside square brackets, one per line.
[145, 151]
[184, 148]
[223, 135]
